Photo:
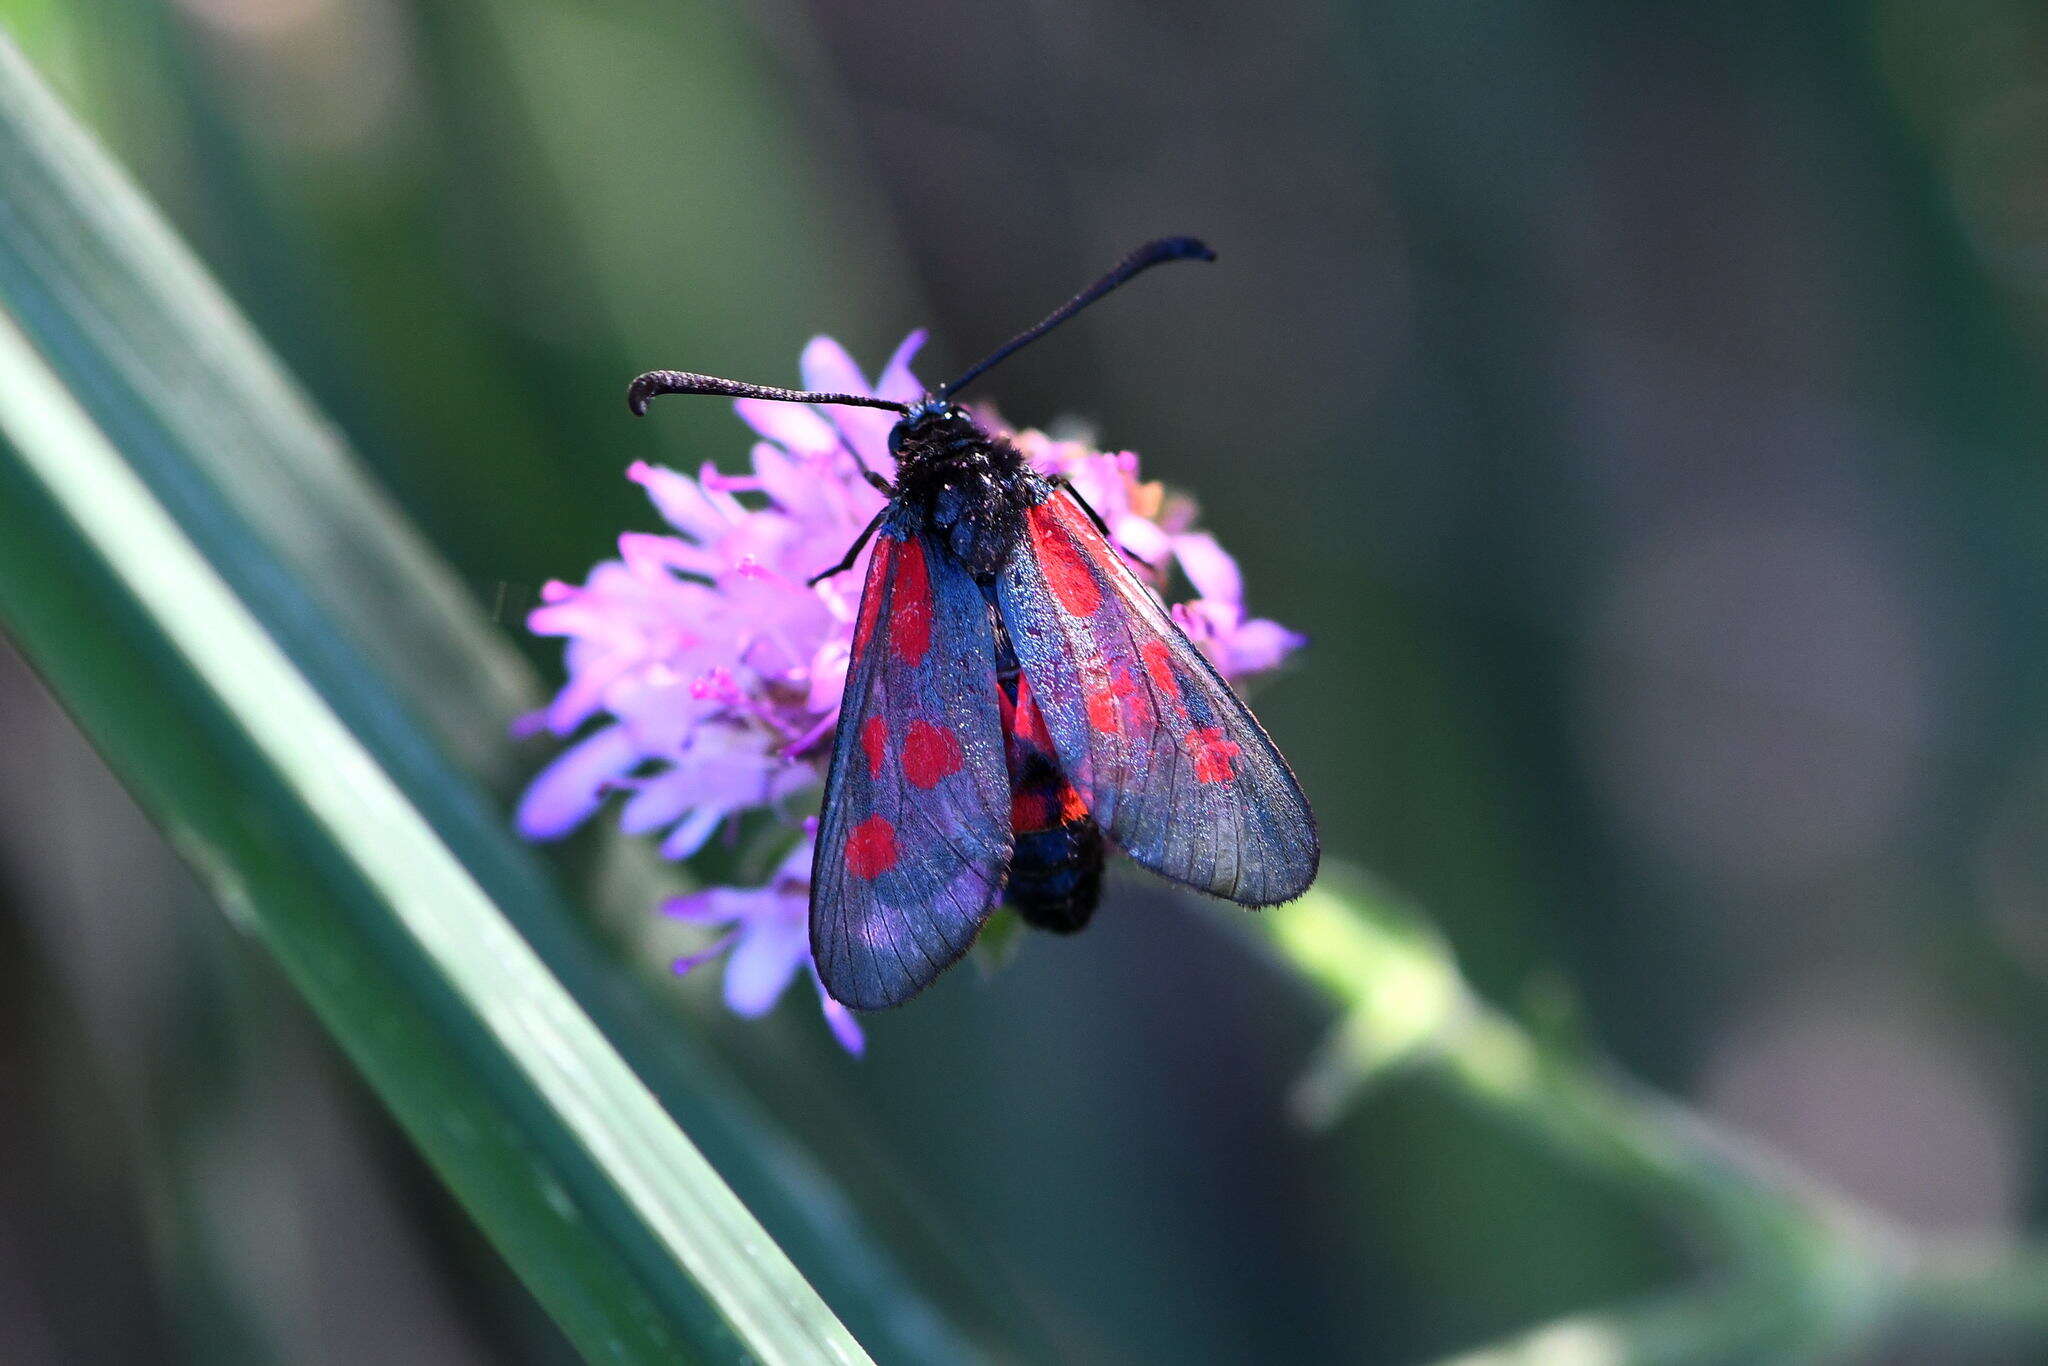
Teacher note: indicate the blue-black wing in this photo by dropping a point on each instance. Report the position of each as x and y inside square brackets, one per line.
[1170, 763]
[915, 834]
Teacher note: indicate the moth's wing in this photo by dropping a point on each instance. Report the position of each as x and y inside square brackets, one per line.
[1169, 760]
[914, 839]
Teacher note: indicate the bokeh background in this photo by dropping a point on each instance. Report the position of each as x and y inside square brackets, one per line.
[1640, 405]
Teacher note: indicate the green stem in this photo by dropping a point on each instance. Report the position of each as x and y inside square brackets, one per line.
[1803, 1272]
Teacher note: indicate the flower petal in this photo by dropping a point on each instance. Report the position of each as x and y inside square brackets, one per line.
[828, 368]
[584, 692]
[795, 427]
[1213, 573]
[794, 482]
[771, 948]
[571, 788]
[681, 501]
[687, 838]
[1259, 646]
[795, 868]
[897, 382]
[828, 675]
[1143, 539]
[845, 1027]
[659, 801]
[717, 905]
[646, 554]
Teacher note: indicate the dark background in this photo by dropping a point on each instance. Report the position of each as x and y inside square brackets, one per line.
[1640, 405]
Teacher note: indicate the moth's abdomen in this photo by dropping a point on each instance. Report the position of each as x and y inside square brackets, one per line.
[1056, 875]
[1056, 861]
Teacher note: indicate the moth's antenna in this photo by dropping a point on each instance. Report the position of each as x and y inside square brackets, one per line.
[1144, 258]
[657, 382]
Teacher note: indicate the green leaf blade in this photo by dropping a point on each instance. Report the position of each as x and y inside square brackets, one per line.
[167, 505]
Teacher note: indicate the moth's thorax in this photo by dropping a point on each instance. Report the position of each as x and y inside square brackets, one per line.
[968, 484]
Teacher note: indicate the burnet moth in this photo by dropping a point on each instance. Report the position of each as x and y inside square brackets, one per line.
[1016, 701]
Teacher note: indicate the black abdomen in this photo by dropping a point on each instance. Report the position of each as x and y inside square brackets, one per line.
[1056, 863]
[1056, 875]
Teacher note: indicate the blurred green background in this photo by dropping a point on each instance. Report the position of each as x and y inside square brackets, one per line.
[1639, 404]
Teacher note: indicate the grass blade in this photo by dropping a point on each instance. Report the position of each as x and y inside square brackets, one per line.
[249, 713]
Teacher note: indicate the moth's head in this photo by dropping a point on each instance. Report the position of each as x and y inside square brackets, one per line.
[930, 421]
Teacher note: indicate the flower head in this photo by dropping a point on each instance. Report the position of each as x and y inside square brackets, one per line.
[705, 672]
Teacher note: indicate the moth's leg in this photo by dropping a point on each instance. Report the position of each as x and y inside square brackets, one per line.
[887, 489]
[853, 553]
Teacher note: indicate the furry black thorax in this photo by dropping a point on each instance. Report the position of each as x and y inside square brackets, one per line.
[965, 483]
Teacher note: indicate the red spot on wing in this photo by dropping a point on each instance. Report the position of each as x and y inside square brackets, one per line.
[1062, 559]
[910, 606]
[1212, 752]
[874, 742]
[871, 596]
[1119, 706]
[1103, 713]
[931, 754]
[1159, 664]
[871, 848]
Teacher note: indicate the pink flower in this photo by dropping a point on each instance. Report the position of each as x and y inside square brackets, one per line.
[770, 941]
[713, 672]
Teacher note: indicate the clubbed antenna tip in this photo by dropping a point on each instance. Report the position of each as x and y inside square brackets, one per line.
[1156, 252]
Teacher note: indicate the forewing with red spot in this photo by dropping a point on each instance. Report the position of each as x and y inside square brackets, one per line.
[1166, 756]
[915, 833]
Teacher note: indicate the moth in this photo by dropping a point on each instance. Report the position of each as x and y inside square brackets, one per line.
[1017, 702]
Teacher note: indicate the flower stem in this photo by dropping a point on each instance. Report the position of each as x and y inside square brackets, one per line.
[1801, 1272]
